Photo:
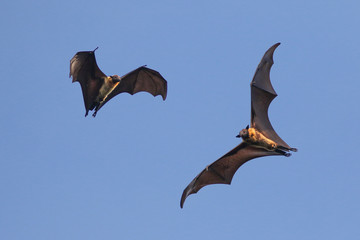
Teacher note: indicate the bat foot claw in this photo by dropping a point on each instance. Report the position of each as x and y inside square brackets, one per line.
[94, 114]
[287, 154]
[293, 149]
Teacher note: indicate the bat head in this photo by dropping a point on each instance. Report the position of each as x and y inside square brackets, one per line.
[115, 78]
[244, 134]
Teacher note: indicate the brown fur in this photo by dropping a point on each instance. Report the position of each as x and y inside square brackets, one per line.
[257, 139]
[106, 89]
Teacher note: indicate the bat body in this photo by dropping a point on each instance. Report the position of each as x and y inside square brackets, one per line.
[259, 140]
[98, 89]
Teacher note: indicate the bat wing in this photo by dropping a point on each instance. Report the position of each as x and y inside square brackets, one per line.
[83, 69]
[262, 93]
[142, 79]
[223, 169]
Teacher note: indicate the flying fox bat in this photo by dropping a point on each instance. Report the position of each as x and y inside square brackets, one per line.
[258, 141]
[98, 89]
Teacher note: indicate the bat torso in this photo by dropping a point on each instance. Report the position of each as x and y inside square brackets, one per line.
[106, 88]
[257, 139]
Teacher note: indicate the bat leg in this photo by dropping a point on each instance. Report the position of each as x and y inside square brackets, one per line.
[293, 149]
[286, 154]
[96, 109]
[288, 149]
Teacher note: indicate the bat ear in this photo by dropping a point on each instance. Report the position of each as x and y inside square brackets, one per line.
[247, 127]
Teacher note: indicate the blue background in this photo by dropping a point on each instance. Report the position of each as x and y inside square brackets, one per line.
[121, 175]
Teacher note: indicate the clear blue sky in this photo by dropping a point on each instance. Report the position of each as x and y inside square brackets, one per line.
[120, 175]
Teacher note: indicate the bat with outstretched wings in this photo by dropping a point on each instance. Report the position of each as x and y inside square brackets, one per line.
[259, 140]
[98, 89]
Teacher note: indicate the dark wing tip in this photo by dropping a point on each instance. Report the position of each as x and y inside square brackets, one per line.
[261, 77]
[188, 190]
[164, 94]
[183, 197]
[275, 45]
[268, 56]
